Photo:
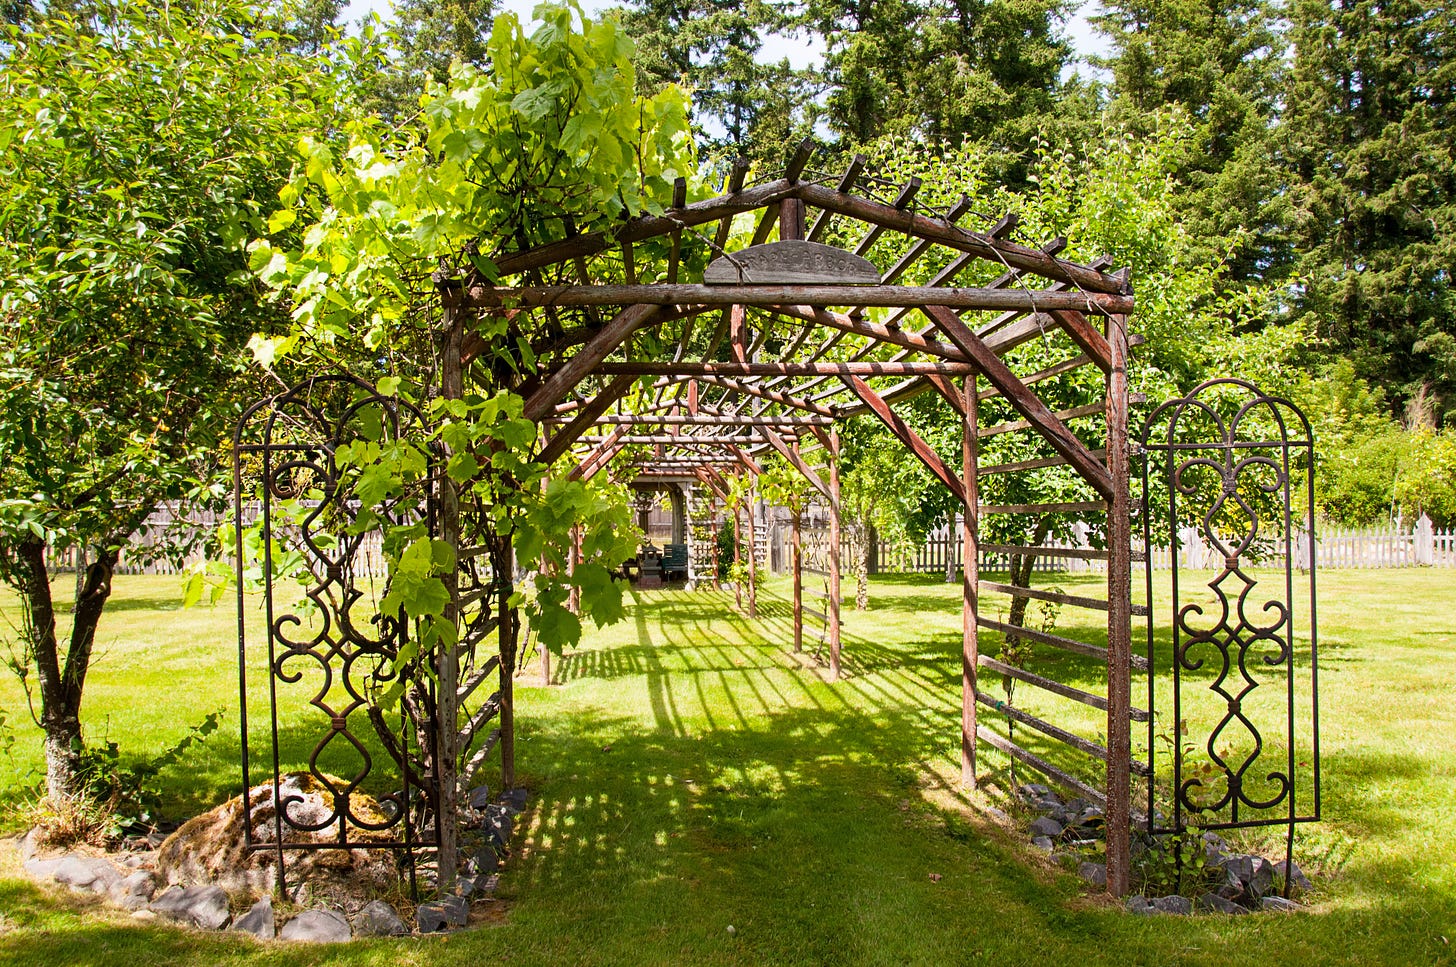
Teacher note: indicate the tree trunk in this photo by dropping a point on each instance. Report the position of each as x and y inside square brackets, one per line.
[61, 685]
[1021, 568]
[950, 549]
[863, 564]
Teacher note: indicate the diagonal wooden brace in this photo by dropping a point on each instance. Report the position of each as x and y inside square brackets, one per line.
[907, 436]
[788, 453]
[604, 452]
[587, 416]
[554, 389]
[1023, 399]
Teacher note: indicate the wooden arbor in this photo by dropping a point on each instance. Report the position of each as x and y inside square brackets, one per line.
[774, 344]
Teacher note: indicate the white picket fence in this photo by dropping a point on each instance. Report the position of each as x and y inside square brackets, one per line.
[1334, 547]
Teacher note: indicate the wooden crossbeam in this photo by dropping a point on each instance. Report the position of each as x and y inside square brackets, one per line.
[590, 413]
[773, 396]
[761, 294]
[821, 221]
[604, 452]
[647, 368]
[1023, 399]
[745, 459]
[704, 419]
[992, 249]
[922, 450]
[896, 337]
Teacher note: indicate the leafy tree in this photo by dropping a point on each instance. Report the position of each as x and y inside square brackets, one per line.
[549, 129]
[421, 41]
[1369, 140]
[139, 149]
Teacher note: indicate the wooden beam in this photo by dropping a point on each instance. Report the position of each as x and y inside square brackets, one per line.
[1091, 342]
[1021, 300]
[738, 332]
[773, 396]
[604, 452]
[555, 387]
[745, 459]
[589, 415]
[821, 221]
[645, 368]
[922, 450]
[645, 227]
[703, 419]
[1024, 400]
[992, 249]
[895, 337]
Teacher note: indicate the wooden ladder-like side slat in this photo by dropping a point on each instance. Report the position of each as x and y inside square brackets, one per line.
[1058, 597]
[1055, 687]
[1057, 641]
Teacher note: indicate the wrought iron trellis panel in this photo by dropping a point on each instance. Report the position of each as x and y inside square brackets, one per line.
[1237, 464]
[287, 447]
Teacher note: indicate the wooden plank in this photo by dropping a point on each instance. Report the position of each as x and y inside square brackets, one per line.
[1044, 727]
[1081, 553]
[1063, 779]
[816, 614]
[1038, 464]
[1026, 402]
[835, 592]
[561, 382]
[888, 296]
[1060, 597]
[1044, 683]
[1072, 413]
[1055, 507]
[1056, 641]
[589, 415]
[922, 450]
[995, 250]
[646, 368]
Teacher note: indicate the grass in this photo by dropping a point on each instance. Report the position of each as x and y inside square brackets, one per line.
[688, 773]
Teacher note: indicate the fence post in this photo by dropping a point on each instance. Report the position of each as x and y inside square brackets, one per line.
[1425, 541]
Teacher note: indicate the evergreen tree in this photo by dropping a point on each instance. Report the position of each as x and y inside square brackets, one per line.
[1222, 63]
[1369, 143]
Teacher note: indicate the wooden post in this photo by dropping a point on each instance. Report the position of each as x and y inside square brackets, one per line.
[752, 553]
[834, 538]
[574, 600]
[798, 582]
[970, 581]
[1119, 618]
[738, 555]
[506, 632]
[447, 661]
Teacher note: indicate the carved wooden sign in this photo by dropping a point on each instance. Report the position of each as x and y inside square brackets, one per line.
[791, 262]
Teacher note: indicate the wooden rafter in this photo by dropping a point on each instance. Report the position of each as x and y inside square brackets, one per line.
[922, 450]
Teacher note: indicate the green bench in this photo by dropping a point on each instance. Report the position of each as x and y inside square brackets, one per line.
[674, 563]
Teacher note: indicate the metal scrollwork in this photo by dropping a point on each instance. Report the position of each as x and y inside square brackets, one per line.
[1235, 470]
[288, 481]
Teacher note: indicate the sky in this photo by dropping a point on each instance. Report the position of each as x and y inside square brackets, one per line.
[1085, 42]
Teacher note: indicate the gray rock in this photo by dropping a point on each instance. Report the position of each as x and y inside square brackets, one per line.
[1177, 905]
[442, 914]
[498, 824]
[479, 797]
[258, 921]
[1214, 847]
[1278, 904]
[41, 869]
[484, 860]
[514, 798]
[378, 919]
[1046, 826]
[1033, 790]
[86, 873]
[1140, 905]
[1254, 873]
[317, 926]
[1299, 883]
[202, 906]
[30, 844]
[1213, 903]
[997, 814]
[1043, 843]
[134, 891]
[1094, 873]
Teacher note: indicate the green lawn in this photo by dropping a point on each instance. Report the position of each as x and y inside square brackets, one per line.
[687, 774]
